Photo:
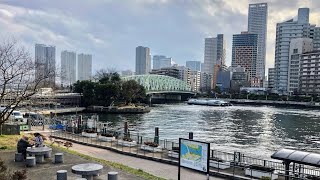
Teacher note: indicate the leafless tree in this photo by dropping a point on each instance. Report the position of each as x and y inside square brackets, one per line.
[19, 79]
[103, 72]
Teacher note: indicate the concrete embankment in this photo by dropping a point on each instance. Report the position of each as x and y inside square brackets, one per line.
[99, 109]
[62, 110]
[274, 103]
[119, 110]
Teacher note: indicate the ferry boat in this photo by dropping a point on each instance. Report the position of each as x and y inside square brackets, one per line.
[209, 102]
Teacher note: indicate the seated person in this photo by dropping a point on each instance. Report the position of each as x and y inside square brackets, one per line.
[22, 146]
[38, 140]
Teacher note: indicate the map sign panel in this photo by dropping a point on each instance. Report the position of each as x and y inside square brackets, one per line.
[194, 155]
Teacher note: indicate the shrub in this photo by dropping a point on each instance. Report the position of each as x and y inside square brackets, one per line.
[152, 144]
[265, 178]
[89, 131]
[107, 134]
[6, 174]
[127, 139]
[175, 149]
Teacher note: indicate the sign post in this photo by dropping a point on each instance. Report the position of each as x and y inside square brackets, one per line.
[194, 155]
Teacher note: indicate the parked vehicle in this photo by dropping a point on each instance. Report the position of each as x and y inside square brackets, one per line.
[16, 116]
[35, 118]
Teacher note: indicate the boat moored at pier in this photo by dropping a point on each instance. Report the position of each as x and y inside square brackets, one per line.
[209, 102]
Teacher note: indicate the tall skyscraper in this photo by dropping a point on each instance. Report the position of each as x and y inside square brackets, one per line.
[221, 50]
[286, 31]
[194, 65]
[45, 59]
[298, 46]
[244, 52]
[257, 24]
[143, 60]
[68, 68]
[214, 53]
[84, 67]
[160, 61]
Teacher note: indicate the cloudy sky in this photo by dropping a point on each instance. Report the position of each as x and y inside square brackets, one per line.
[111, 29]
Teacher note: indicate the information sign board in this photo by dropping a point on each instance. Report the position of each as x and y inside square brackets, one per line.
[194, 155]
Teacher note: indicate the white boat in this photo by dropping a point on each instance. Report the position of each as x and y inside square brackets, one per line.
[217, 102]
[208, 102]
[198, 101]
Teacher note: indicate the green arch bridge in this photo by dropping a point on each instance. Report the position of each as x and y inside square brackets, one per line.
[162, 87]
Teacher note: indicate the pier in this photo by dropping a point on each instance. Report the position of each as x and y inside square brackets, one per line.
[274, 103]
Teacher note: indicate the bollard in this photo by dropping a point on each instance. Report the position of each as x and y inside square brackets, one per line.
[156, 131]
[112, 175]
[58, 158]
[18, 157]
[30, 161]
[125, 128]
[191, 135]
[156, 135]
[62, 175]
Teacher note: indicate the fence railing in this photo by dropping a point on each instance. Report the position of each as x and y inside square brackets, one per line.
[226, 162]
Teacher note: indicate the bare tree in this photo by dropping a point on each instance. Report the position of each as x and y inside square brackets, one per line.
[20, 77]
[103, 72]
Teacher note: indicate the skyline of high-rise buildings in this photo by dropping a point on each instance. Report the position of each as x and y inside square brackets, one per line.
[70, 69]
[248, 52]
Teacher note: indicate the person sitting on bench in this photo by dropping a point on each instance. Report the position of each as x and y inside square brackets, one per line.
[38, 140]
[22, 146]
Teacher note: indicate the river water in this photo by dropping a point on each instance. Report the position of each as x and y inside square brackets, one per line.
[253, 130]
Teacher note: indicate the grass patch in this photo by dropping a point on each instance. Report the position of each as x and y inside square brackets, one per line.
[137, 172]
[9, 142]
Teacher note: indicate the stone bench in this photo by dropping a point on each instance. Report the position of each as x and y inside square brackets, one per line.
[58, 158]
[62, 175]
[112, 175]
[47, 155]
[18, 157]
[30, 161]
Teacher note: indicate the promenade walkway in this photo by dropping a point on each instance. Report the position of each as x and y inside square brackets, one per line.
[156, 168]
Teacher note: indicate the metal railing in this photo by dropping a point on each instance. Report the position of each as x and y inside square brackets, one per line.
[225, 162]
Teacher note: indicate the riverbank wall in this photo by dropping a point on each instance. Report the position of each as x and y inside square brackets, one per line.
[62, 110]
[274, 103]
[119, 110]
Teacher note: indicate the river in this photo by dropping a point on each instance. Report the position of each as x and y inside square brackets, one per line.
[253, 130]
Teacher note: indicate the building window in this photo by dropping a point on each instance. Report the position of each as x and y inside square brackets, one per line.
[295, 51]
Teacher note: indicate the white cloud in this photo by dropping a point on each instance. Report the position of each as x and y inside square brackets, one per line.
[111, 30]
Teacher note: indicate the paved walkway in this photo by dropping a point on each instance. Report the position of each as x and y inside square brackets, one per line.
[156, 168]
[48, 170]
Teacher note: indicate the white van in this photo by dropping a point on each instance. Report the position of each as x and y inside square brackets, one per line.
[16, 116]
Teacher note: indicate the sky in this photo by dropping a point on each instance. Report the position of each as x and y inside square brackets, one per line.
[110, 30]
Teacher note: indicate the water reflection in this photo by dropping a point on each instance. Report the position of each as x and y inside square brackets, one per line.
[249, 129]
